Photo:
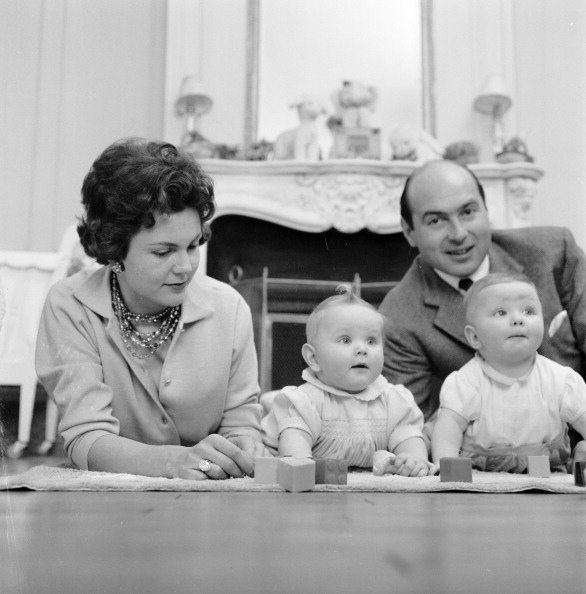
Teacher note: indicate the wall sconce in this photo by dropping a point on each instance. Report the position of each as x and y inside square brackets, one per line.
[191, 104]
[494, 100]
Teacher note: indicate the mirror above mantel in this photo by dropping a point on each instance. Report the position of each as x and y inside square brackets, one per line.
[306, 48]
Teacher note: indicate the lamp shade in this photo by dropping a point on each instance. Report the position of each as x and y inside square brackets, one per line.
[191, 98]
[493, 97]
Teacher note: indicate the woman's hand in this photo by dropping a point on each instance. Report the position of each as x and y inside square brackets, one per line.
[226, 459]
[253, 447]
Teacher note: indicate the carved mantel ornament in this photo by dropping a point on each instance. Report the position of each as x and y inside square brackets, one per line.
[351, 195]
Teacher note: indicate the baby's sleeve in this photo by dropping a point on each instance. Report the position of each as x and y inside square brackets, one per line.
[292, 409]
[460, 394]
[573, 404]
[405, 419]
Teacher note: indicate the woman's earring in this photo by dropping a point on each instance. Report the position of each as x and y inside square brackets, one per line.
[117, 267]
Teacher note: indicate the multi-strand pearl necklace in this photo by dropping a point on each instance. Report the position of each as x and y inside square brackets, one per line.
[140, 344]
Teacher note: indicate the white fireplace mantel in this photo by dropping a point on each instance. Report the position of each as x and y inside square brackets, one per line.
[351, 195]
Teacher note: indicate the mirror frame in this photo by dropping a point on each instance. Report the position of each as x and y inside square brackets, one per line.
[253, 63]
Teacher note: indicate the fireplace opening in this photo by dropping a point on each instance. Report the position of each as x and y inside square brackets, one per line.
[253, 244]
[284, 273]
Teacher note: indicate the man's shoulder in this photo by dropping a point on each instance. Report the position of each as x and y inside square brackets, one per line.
[530, 237]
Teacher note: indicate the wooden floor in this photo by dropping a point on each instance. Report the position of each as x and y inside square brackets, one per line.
[283, 542]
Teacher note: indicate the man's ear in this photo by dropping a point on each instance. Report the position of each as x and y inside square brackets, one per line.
[310, 357]
[407, 232]
[471, 336]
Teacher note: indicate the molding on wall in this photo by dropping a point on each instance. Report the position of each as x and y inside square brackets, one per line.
[47, 117]
[428, 68]
[252, 69]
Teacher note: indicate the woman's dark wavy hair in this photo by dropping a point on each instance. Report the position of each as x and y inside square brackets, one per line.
[128, 184]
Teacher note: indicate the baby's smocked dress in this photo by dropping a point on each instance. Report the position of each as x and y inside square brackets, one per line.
[512, 418]
[341, 425]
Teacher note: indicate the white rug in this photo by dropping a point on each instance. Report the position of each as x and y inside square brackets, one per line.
[48, 478]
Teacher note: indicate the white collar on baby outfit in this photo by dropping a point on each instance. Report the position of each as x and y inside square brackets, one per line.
[371, 392]
[497, 376]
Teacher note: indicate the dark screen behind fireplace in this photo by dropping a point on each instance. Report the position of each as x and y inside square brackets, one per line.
[253, 244]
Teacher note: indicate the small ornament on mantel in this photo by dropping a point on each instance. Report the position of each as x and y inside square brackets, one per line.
[464, 152]
[354, 137]
[514, 150]
[411, 143]
[310, 140]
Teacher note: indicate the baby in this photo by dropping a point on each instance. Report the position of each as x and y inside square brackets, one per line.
[508, 402]
[346, 409]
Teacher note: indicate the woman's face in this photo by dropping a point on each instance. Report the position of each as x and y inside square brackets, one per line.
[161, 262]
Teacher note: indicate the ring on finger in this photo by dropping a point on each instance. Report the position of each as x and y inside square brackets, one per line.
[204, 465]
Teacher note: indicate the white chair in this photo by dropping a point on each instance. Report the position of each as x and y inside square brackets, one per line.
[27, 277]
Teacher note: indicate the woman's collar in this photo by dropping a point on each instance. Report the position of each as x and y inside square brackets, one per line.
[94, 292]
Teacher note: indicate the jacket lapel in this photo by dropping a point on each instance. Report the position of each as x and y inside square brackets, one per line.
[447, 302]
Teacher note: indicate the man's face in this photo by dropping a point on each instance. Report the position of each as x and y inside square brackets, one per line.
[450, 221]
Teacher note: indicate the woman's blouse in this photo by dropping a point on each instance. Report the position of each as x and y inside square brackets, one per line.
[208, 379]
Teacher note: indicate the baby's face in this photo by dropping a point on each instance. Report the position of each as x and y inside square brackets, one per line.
[348, 347]
[508, 324]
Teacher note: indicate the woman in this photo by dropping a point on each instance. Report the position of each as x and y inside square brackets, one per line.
[153, 369]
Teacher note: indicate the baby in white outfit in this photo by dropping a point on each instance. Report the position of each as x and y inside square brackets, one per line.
[508, 402]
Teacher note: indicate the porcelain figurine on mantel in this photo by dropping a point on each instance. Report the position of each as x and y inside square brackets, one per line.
[411, 143]
[354, 103]
[310, 140]
[354, 135]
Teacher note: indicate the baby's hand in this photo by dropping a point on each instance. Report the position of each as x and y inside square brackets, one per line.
[409, 465]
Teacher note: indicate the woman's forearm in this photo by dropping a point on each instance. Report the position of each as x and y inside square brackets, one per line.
[113, 453]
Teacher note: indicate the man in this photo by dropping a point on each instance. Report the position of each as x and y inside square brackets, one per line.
[444, 216]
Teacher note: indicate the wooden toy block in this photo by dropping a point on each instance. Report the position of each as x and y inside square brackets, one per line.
[538, 466]
[580, 473]
[381, 461]
[331, 471]
[296, 474]
[266, 470]
[455, 469]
